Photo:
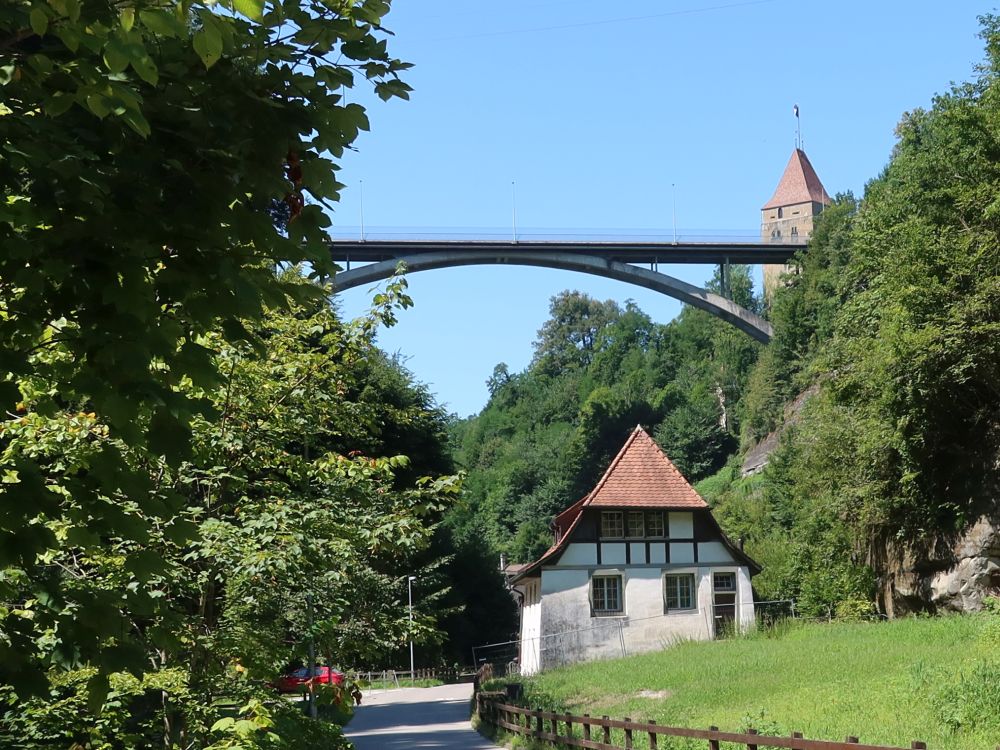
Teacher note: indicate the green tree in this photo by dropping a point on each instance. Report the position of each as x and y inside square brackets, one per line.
[144, 144]
[568, 338]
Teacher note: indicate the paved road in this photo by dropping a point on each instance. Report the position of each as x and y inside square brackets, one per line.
[428, 718]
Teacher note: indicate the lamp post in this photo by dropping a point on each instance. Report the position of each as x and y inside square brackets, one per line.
[409, 592]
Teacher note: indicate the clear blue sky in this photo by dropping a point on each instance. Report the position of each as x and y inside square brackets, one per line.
[595, 109]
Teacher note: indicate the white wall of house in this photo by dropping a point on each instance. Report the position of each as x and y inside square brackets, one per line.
[560, 629]
[531, 625]
[744, 606]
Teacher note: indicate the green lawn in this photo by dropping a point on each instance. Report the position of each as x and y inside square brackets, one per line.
[932, 679]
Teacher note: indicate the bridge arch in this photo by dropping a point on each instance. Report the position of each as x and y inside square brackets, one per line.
[743, 319]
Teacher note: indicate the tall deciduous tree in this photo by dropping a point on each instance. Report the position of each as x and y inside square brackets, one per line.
[143, 146]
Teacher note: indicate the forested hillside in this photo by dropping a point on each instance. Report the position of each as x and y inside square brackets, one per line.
[884, 487]
[887, 489]
[599, 369]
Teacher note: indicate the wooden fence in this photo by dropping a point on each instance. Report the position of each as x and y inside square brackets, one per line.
[561, 730]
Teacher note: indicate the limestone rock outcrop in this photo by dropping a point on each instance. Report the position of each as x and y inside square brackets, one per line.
[953, 574]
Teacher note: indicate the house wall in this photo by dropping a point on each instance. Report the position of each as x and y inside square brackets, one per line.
[744, 600]
[557, 625]
[570, 634]
[531, 625]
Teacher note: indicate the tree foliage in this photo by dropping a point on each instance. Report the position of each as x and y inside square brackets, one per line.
[548, 433]
[893, 318]
[180, 423]
[284, 531]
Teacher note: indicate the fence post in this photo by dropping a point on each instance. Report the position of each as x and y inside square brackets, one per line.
[652, 736]
[752, 746]
[713, 744]
[538, 722]
[918, 745]
[606, 737]
[586, 727]
[628, 734]
[569, 726]
[796, 736]
[852, 740]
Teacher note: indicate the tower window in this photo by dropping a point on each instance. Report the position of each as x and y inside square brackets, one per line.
[781, 212]
[795, 231]
[775, 234]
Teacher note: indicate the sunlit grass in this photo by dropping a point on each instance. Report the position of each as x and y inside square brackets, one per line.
[881, 682]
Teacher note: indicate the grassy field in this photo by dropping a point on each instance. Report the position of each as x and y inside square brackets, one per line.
[932, 679]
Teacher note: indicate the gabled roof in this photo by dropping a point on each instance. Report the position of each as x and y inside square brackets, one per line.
[799, 184]
[641, 476]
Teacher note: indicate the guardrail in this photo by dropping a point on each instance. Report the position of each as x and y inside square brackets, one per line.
[604, 733]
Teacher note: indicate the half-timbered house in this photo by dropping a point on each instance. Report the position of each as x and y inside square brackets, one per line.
[637, 564]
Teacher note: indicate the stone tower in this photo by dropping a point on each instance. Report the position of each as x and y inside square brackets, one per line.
[788, 216]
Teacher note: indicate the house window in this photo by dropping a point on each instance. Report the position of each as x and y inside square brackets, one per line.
[654, 523]
[612, 523]
[795, 231]
[635, 525]
[724, 602]
[724, 581]
[678, 591]
[606, 595]
[781, 212]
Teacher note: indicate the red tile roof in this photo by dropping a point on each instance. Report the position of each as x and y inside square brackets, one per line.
[641, 476]
[799, 184]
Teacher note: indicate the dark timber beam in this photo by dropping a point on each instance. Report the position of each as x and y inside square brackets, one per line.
[723, 308]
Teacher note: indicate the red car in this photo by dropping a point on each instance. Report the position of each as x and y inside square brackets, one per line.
[299, 678]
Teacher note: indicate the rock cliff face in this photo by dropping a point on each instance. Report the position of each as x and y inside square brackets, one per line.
[949, 574]
[759, 454]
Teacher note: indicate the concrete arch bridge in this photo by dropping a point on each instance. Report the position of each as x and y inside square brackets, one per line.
[613, 260]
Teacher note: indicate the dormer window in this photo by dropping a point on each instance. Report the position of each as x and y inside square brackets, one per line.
[654, 523]
[636, 528]
[612, 524]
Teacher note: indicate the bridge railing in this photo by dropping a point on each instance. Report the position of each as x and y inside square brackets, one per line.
[350, 233]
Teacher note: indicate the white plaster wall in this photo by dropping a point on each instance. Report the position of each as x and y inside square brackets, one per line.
[681, 525]
[713, 552]
[579, 554]
[681, 552]
[531, 628]
[648, 628]
[613, 553]
[744, 599]
[570, 634]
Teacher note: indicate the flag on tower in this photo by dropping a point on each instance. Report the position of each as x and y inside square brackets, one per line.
[795, 109]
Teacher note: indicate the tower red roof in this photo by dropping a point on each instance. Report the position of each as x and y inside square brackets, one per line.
[799, 184]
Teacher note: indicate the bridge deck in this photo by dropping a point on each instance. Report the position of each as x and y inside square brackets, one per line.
[625, 252]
